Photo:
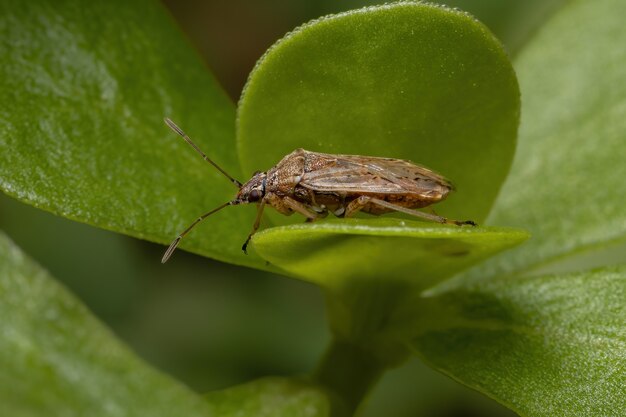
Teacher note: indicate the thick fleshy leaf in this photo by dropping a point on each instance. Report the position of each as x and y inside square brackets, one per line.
[81, 123]
[544, 346]
[371, 270]
[56, 359]
[567, 183]
[333, 253]
[405, 80]
[274, 397]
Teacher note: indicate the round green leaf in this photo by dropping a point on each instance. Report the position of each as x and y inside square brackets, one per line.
[567, 182]
[86, 87]
[370, 270]
[405, 80]
[544, 346]
[334, 253]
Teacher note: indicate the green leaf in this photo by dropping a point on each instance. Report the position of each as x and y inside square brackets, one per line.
[333, 253]
[81, 124]
[274, 397]
[544, 346]
[567, 182]
[405, 80]
[56, 359]
[370, 271]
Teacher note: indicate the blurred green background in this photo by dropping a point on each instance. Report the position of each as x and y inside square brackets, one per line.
[210, 324]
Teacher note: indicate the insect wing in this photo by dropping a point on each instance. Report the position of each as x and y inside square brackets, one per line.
[364, 174]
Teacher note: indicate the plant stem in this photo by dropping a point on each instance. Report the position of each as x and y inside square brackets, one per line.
[349, 371]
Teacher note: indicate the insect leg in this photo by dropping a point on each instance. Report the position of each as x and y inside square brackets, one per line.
[287, 206]
[356, 205]
[176, 241]
[255, 227]
[301, 208]
[360, 202]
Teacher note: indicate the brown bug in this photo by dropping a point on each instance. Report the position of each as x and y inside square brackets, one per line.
[314, 184]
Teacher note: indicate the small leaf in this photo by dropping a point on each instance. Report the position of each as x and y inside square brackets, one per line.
[81, 123]
[419, 254]
[544, 346]
[56, 359]
[370, 270]
[405, 80]
[274, 397]
[567, 183]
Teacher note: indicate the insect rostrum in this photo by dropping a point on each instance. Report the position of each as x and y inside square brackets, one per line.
[315, 184]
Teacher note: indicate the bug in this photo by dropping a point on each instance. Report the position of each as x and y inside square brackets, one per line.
[315, 184]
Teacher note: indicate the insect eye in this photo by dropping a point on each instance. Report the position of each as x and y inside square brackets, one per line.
[255, 195]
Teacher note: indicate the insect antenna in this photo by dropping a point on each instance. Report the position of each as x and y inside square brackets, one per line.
[176, 241]
[178, 130]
